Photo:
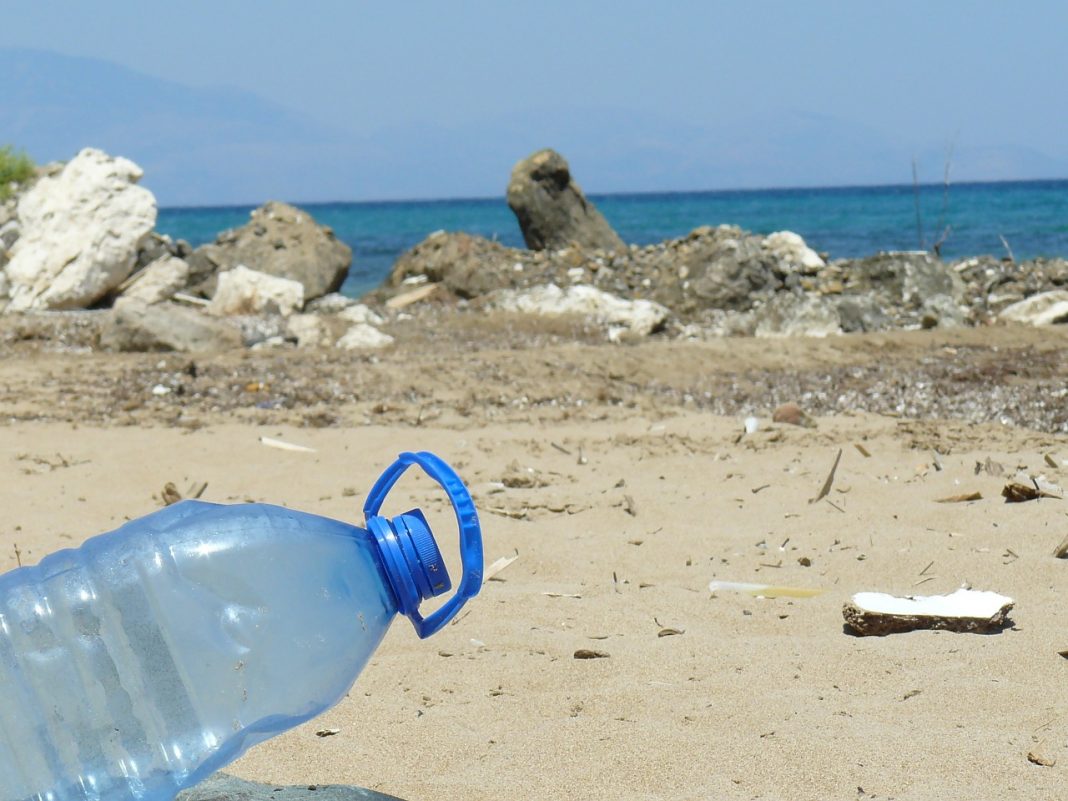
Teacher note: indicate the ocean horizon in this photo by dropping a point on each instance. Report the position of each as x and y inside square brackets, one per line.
[1027, 218]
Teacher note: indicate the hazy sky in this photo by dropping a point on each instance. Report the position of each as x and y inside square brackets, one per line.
[921, 74]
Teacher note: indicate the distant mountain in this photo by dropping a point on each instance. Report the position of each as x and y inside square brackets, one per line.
[205, 146]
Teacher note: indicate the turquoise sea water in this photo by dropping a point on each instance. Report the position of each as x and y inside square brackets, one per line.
[842, 222]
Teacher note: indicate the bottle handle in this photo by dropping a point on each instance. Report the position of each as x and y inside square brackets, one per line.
[466, 518]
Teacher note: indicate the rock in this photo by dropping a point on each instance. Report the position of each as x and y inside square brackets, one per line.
[942, 311]
[788, 315]
[158, 281]
[902, 279]
[1046, 308]
[363, 335]
[551, 208]
[359, 313]
[308, 329]
[861, 313]
[154, 247]
[790, 250]
[80, 231]
[245, 291]
[5, 286]
[638, 317]
[221, 787]
[136, 326]
[331, 303]
[468, 266]
[282, 241]
[792, 414]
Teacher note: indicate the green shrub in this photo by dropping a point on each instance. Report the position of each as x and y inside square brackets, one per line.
[15, 167]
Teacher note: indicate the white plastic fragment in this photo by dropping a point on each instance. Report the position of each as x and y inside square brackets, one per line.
[270, 442]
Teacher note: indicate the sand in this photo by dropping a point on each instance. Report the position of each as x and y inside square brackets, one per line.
[633, 504]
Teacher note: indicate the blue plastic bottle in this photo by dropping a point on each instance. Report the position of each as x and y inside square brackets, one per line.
[140, 663]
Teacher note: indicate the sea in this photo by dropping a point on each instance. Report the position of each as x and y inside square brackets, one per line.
[1024, 219]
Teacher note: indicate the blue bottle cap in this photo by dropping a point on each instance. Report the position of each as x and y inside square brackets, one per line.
[409, 552]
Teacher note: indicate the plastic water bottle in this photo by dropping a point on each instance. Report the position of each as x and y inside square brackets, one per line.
[140, 663]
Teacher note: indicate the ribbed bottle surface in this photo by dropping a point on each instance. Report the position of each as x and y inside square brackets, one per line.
[140, 663]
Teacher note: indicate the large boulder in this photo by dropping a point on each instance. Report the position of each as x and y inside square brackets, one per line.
[551, 209]
[136, 326]
[279, 240]
[80, 230]
[468, 266]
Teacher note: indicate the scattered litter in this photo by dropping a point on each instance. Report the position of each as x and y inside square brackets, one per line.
[763, 590]
[963, 498]
[196, 489]
[1063, 653]
[990, 467]
[670, 632]
[1037, 759]
[1016, 492]
[561, 595]
[170, 494]
[966, 610]
[561, 448]
[498, 566]
[270, 442]
[159, 390]
[862, 450]
[752, 425]
[830, 480]
[327, 732]
[1061, 551]
[587, 653]
[1051, 461]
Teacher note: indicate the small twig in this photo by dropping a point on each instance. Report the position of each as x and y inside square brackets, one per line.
[929, 566]
[561, 448]
[836, 506]
[18, 555]
[829, 480]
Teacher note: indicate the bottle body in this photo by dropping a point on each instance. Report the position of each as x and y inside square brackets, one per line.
[140, 663]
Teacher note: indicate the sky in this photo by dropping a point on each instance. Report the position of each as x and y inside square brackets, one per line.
[689, 94]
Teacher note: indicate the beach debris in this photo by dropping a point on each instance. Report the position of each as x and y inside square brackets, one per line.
[862, 450]
[752, 425]
[412, 296]
[1051, 461]
[548, 594]
[826, 488]
[792, 414]
[1018, 492]
[670, 632]
[498, 566]
[763, 590]
[196, 489]
[1063, 653]
[327, 732]
[589, 653]
[518, 477]
[629, 506]
[170, 494]
[282, 445]
[1038, 759]
[965, 610]
[1061, 551]
[990, 467]
[962, 498]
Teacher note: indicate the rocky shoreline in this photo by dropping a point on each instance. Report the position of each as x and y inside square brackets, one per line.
[81, 238]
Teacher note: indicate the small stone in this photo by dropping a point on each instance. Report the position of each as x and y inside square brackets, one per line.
[792, 414]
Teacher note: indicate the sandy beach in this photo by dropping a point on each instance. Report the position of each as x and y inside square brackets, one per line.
[623, 491]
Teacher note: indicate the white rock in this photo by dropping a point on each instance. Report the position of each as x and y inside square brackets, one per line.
[359, 313]
[80, 231]
[245, 291]
[308, 329]
[159, 280]
[788, 247]
[5, 285]
[787, 315]
[363, 335]
[1045, 308]
[640, 317]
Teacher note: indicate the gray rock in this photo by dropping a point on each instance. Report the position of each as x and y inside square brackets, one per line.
[135, 326]
[158, 281]
[902, 279]
[789, 315]
[221, 787]
[862, 314]
[279, 240]
[552, 210]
